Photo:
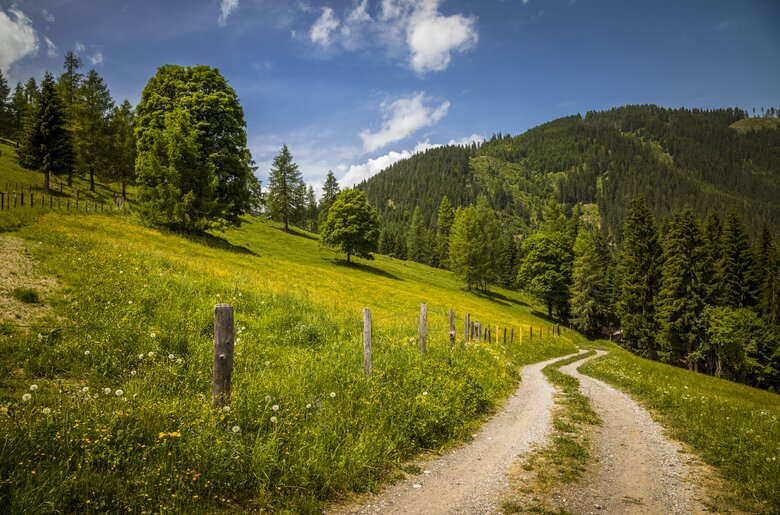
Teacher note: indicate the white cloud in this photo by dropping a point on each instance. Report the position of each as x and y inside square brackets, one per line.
[96, 59]
[17, 38]
[51, 48]
[78, 48]
[402, 118]
[413, 28]
[49, 17]
[432, 37]
[325, 24]
[225, 8]
[467, 140]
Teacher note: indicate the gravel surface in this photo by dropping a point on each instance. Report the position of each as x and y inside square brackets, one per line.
[469, 479]
[636, 468]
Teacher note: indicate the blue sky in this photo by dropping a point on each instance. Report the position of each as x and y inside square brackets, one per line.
[355, 85]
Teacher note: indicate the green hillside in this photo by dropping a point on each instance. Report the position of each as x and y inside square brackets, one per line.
[677, 158]
[115, 365]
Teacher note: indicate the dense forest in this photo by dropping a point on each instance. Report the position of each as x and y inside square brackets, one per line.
[650, 225]
[676, 158]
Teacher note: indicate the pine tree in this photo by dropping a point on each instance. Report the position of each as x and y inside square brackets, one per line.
[330, 191]
[738, 286]
[415, 238]
[639, 279]
[47, 145]
[68, 87]
[713, 253]
[285, 201]
[681, 299]
[352, 226]
[491, 243]
[92, 129]
[6, 118]
[122, 145]
[444, 220]
[20, 109]
[312, 210]
[589, 284]
[467, 256]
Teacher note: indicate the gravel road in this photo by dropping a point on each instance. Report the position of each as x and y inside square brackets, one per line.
[469, 479]
[637, 469]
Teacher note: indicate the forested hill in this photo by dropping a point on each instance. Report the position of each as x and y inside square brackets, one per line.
[677, 158]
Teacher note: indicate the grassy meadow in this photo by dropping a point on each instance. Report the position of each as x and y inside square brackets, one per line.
[734, 427]
[106, 398]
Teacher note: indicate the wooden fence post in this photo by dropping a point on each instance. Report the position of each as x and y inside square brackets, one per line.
[2, 201]
[223, 355]
[531, 332]
[466, 325]
[504, 335]
[512, 336]
[367, 343]
[559, 329]
[423, 327]
[452, 328]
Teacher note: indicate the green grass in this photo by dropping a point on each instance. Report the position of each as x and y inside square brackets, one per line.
[747, 124]
[733, 427]
[564, 458]
[26, 295]
[135, 314]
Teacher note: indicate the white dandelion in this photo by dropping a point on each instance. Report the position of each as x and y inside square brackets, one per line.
[26, 397]
[236, 429]
[119, 393]
[33, 387]
[275, 407]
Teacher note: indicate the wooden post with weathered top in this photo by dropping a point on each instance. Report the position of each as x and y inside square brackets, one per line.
[367, 343]
[423, 327]
[223, 355]
[467, 326]
[452, 329]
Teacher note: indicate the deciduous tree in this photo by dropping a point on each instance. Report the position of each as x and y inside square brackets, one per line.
[352, 226]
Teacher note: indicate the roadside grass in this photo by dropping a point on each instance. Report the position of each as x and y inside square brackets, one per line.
[733, 427]
[564, 458]
[105, 406]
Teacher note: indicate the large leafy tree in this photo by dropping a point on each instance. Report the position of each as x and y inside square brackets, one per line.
[640, 276]
[681, 300]
[467, 253]
[178, 178]
[352, 226]
[545, 270]
[218, 124]
[46, 144]
[285, 201]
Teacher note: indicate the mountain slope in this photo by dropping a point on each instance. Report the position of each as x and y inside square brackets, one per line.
[676, 158]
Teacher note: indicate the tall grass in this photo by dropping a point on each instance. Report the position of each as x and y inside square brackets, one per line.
[732, 426]
[120, 419]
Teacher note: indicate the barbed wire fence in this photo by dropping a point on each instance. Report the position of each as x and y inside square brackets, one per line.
[225, 337]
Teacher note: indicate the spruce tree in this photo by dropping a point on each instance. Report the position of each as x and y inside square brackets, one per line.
[681, 299]
[444, 219]
[312, 210]
[6, 117]
[639, 279]
[20, 109]
[545, 270]
[738, 285]
[122, 144]
[92, 129]
[467, 256]
[492, 241]
[416, 239]
[285, 200]
[589, 284]
[330, 191]
[47, 145]
[713, 235]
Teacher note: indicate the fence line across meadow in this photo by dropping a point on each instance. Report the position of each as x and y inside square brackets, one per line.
[224, 339]
[12, 199]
